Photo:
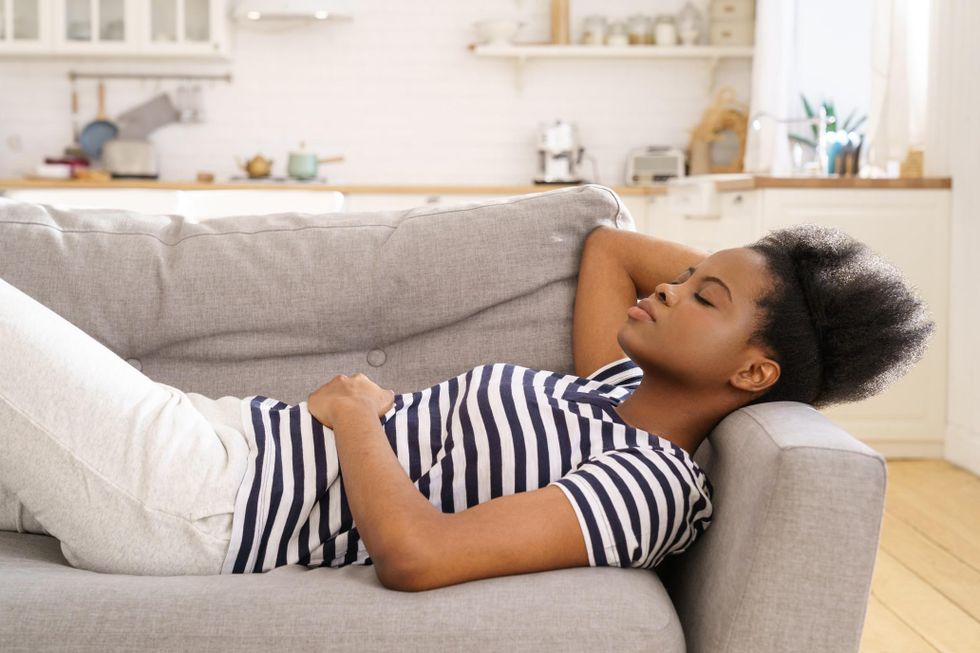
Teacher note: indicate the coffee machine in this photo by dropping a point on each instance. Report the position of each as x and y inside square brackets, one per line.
[559, 153]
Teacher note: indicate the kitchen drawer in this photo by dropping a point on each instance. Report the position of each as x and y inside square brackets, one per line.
[732, 32]
[732, 10]
[738, 227]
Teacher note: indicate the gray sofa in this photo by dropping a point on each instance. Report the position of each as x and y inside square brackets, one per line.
[278, 304]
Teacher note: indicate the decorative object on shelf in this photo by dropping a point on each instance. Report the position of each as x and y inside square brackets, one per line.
[911, 166]
[560, 29]
[640, 30]
[837, 148]
[690, 24]
[617, 34]
[732, 22]
[257, 167]
[665, 30]
[205, 177]
[497, 31]
[717, 143]
[594, 30]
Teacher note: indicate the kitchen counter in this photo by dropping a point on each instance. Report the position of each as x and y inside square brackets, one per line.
[749, 182]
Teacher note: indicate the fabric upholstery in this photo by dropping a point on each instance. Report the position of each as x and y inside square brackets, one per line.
[279, 304]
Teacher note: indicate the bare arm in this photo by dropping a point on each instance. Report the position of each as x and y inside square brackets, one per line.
[616, 268]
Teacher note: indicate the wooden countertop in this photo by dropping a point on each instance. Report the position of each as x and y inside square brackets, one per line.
[749, 182]
[515, 189]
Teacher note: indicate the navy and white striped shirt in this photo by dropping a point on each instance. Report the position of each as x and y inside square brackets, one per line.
[492, 431]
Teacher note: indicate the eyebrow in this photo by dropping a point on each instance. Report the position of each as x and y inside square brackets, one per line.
[716, 280]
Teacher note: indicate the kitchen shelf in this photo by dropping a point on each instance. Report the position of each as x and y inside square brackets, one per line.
[521, 52]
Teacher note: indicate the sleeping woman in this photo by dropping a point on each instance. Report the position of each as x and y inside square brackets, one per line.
[501, 470]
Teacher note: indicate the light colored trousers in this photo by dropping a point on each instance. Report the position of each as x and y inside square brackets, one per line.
[131, 475]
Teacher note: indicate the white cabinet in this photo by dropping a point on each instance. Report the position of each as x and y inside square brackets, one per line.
[171, 28]
[909, 228]
[25, 26]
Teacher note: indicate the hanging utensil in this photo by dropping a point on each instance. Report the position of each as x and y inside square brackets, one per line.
[100, 130]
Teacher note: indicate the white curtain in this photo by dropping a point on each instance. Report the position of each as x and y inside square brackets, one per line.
[900, 75]
[773, 80]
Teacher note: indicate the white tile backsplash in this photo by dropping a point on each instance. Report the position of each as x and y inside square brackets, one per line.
[395, 90]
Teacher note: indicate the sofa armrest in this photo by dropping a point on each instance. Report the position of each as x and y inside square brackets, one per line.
[787, 563]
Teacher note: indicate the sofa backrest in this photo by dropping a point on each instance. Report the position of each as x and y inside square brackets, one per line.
[278, 304]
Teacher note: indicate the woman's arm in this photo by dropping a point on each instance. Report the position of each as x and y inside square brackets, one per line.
[389, 511]
[616, 268]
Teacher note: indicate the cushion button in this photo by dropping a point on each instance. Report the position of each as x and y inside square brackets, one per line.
[135, 362]
[376, 357]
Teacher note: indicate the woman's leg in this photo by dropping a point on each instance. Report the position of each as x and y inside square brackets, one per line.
[131, 475]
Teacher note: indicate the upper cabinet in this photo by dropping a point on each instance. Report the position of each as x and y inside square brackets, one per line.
[25, 26]
[170, 28]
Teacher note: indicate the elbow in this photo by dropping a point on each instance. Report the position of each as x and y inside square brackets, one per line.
[406, 568]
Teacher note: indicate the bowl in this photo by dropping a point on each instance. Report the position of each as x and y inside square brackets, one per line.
[497, 31]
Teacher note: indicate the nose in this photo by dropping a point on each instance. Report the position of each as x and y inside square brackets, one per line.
[665, 293]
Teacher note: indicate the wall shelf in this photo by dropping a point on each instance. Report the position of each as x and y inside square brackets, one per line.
[521, 52]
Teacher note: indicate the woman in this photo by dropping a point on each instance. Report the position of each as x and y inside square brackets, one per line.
[500, 470]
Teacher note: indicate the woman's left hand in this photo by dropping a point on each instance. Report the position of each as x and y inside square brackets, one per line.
[343, 390]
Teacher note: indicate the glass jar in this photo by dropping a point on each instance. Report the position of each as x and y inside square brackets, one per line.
[690, 24]
[617, 34]
[638, 26]
[594, 31]
[665, 30]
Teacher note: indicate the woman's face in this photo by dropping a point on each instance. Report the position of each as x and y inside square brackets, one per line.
[702, 321]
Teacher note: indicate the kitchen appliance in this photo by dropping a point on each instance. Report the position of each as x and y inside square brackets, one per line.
[646, 166]
[292, 9]
[130, 158]
[304, 165]
[559, 153]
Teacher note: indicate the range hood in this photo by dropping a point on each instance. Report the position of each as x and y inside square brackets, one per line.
[292, 9]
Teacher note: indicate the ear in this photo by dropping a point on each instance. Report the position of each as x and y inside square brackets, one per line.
[756, 375]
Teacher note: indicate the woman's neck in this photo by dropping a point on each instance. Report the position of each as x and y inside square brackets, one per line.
[670, 412]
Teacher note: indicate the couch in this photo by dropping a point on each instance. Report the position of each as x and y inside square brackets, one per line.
[278, 304]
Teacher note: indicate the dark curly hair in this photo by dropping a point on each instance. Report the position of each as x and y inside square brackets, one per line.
[842, 322]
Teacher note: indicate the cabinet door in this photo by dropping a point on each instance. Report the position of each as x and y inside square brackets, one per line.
[361, 202]
[910, 228]
[25, 26]
[94, 26]
[184, 27]
[738, 223]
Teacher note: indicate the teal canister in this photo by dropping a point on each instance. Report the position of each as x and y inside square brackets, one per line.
[305, 165]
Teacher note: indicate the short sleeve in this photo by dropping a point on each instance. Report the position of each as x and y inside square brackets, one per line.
[622, 372]
[637, 505]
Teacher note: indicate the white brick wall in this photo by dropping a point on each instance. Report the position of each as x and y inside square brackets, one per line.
[395, 90]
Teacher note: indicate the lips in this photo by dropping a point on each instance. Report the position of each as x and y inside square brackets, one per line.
[641, 312]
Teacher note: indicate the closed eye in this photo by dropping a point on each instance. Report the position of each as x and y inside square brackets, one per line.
[702, 300]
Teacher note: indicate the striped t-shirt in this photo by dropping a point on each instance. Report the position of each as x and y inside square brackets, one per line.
[492, 431]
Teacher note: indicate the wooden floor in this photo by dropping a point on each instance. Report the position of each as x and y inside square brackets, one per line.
[925, 592]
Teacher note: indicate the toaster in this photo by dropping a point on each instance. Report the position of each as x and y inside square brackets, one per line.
[130, 158]
[646, 166]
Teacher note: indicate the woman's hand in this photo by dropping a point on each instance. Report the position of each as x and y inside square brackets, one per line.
[341, 391]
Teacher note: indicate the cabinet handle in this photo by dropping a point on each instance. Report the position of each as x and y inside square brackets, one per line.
[702, 217]
[432, 199]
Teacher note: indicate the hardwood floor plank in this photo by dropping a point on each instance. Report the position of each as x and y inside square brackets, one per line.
[926, 611]
[884, 632]
[932, 513]
[955, 580]
[945, 484]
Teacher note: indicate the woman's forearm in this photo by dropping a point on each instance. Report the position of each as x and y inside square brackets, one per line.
[388, 510]
[647, 260]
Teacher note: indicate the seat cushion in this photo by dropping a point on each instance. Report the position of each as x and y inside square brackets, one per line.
[46, 604]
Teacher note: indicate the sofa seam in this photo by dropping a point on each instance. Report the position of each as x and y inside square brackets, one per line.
[407, 217]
